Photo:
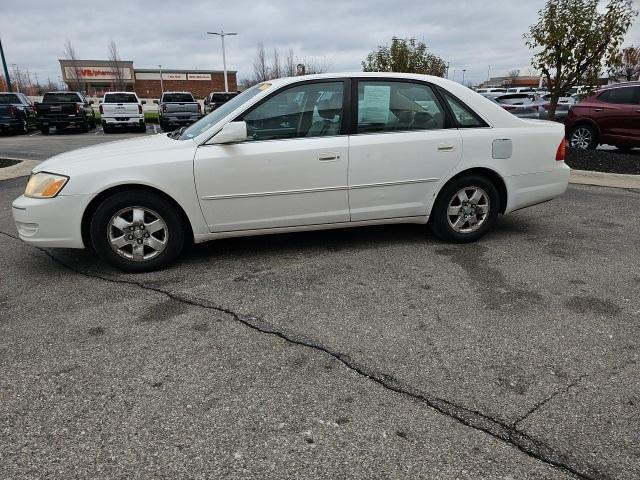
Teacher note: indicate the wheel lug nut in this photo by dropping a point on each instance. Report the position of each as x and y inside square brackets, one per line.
[139, 240]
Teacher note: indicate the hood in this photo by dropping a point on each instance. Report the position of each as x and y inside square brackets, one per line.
[98, 154]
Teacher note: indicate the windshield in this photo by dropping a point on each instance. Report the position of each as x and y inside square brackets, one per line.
[120, 98]
[7, 98]
[177, 98]
[60, 98]
[214, 117]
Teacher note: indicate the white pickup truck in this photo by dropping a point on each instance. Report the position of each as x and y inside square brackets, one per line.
[121, 109]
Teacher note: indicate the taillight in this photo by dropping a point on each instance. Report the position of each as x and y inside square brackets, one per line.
[101, 110]
[139, 108]
[78, 108]
[199, 108]
[13, 111]
[545, 106]
[164, 107]
[562, 151]
[508, 108]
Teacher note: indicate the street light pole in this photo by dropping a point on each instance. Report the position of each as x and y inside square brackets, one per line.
[6, 71]
[161, 86]
[222, 34]
[463, 72]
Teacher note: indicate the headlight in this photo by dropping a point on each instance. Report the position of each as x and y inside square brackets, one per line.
[45, 185]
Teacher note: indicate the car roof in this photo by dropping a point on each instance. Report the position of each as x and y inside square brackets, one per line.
[620, 85]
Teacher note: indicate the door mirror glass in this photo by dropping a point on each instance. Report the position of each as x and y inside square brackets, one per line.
[232, 132]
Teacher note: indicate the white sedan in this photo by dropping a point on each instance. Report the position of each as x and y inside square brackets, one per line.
[303, 153]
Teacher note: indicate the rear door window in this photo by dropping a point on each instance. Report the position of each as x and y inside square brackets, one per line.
[464, 116]
[624, 95]
[8, 98]
[388, 106]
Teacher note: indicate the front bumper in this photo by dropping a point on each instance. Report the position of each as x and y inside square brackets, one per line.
[50, 222]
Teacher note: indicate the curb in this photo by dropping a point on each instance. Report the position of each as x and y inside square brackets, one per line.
[615, 180]
[21, 169]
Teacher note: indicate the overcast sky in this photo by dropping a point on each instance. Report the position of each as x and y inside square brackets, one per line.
[469, 34]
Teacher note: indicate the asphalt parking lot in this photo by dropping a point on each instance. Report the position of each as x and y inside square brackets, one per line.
[366, 353]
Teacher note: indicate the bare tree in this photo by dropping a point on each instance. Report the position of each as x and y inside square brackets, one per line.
[70, 54]
[260, 68]
[276, 70]
[313, 65]
[289, 64]
[114, 60]
[513, 74]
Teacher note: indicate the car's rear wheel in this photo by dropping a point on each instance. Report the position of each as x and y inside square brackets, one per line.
[44, 130]
[465, 210]
[583, 137]
[137, 231]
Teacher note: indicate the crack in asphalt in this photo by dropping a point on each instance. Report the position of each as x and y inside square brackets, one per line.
[464, 415]
[548, 399]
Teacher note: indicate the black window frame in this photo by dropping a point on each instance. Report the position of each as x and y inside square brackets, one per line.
[346, 106]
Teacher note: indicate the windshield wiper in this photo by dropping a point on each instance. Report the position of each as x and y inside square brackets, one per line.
[176, 133]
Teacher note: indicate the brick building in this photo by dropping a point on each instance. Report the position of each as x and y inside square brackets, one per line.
[94, 77]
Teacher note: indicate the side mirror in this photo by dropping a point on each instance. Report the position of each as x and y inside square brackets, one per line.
[143, 102]
[230, 133]
[156, 102]
[90, 102]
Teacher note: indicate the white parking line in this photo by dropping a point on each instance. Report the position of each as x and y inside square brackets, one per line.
[155, 129]
[98, 130]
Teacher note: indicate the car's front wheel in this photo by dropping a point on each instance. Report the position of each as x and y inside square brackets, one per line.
[465, 209]
[137, 231]
[583, 137]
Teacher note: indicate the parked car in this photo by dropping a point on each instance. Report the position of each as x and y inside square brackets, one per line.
[178, 109]
[492, 90]
[611, 116]
[121, 109]
[65, 109]
[519, 104]
[217, 99]
[16, 112]
[300, 153]
[520, 90]
[562, 108]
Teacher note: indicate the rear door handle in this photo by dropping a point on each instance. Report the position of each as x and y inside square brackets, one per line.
[598, 109]
[329, 157]
[445, 147]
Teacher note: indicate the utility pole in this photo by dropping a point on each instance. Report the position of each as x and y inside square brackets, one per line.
[16, 76]
[222, 34]
[161, 86]
[463, 72]
[448, 65]
[6, 71]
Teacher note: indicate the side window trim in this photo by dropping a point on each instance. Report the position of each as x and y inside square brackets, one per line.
[448, 119]
[346, 105]
[443, 94]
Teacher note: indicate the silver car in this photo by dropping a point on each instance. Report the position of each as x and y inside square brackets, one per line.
[522, 105]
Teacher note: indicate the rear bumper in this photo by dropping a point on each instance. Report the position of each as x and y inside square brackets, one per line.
[10, 123]
[175, 120]
[533, 188]
[123, 120]
[62, 121]
[52, 222]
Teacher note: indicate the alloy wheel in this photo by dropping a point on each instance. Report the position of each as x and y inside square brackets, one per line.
[581, 138]
[137, 233]
[468, 209]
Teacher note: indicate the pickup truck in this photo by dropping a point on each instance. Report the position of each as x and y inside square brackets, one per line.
[16, 112]
[217, 99]
[121, 109]
[178, 109]
[64, 109]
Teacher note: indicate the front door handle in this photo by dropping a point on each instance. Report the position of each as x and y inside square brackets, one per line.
[443, 147]
[598, 109]
[329, 157]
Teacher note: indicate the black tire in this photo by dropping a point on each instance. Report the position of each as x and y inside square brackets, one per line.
[44, 130]
[440, 221]
[84, 126]
[143, 127]
[165, 127]
[582, 132]
[147, 200]
[106, 128]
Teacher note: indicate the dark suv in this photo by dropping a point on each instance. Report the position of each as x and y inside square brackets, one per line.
[611, 116]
